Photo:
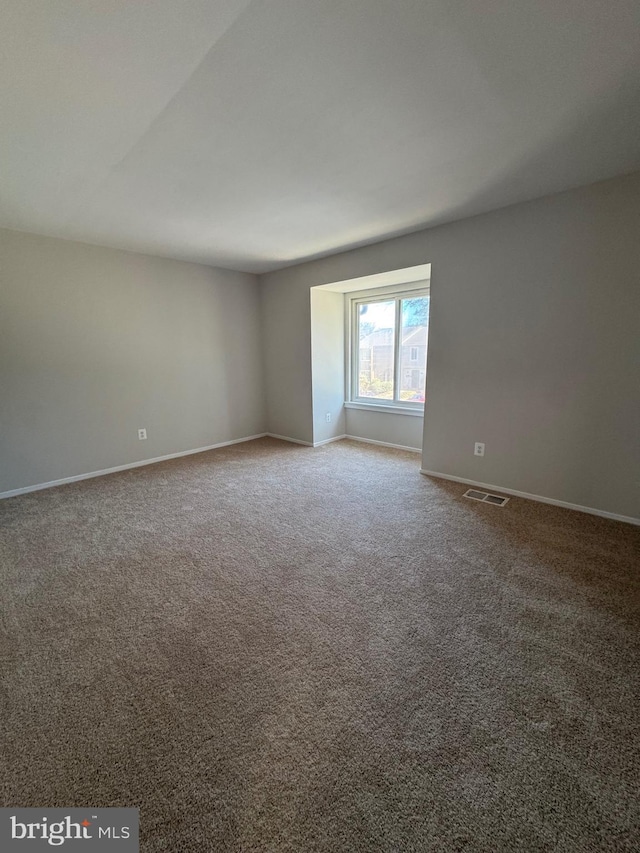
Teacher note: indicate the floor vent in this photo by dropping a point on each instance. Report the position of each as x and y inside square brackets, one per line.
[485, 497]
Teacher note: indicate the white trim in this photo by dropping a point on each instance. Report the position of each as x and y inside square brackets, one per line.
[26, 489]
[328, 440]
[384, 443]
[388, 410]
[287, 438]
[590, 510]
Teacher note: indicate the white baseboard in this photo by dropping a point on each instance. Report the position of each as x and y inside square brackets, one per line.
[329, 440]
[26, 489]
[539, 498]
[287, 438]
[340, 438]
[384, 443]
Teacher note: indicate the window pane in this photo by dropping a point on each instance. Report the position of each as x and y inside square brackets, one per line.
[376, 321]
[413, 348]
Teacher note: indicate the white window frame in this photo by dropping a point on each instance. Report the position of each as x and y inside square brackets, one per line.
[352, 349]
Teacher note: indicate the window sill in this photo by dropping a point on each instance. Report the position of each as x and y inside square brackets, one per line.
[389, 410]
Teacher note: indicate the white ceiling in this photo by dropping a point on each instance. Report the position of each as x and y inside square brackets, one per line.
[251, 135]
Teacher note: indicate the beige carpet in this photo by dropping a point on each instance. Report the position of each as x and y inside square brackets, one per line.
[274, 648]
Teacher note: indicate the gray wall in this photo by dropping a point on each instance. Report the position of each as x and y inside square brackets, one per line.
[327, 357]
[534, 344]
[95, 343]
[286, 335]
[389, 428]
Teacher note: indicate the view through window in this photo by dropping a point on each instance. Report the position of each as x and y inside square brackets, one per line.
[389, 351]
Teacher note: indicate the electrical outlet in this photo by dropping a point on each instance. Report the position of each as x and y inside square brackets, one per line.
[478, 449]
[327, 417]
[142, 434]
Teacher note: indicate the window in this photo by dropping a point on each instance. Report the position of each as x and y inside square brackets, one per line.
[388, 349]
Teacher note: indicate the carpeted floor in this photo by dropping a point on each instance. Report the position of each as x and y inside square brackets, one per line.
[274, 648]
